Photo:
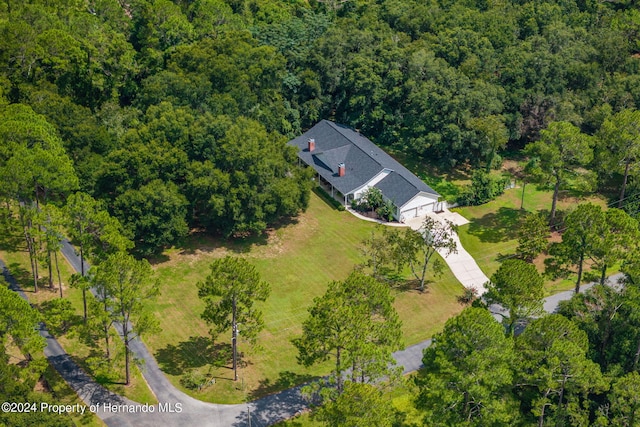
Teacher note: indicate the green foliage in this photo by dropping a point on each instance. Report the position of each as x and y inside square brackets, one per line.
[619, 147]
[258, 183]
[468, 373]
[585, 227]
[229, 293]
[387, 210]
[484, 188]
[518, 287]
[493, 133]
[532, 237]
[18, 324]
[327, 198]
[155, 214]
[354, 324]
[129, 285]
[371, 199]
[416, 248]
[359, 404]
[561, 150]
[624, 400]
[233, 281]
[59, 315]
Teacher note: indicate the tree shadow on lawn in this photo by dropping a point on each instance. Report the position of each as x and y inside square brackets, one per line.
[23, 277]
[286, 380]
[497, 227]
[11, 242]
[202, 242]
[196, 352]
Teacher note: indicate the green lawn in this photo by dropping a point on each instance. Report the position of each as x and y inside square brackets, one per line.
[298, 260]
[492, 233]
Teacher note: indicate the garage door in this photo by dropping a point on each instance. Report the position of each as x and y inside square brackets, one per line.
[410, 213]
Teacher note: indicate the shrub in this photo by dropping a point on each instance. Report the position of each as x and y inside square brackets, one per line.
[386, 210]
[484, 188]
[327, 198]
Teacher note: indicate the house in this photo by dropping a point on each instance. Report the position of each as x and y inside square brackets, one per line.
[347, 163]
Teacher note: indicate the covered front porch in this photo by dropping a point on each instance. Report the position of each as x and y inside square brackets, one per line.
[333, 192]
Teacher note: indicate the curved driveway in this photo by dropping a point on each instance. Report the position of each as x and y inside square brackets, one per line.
[175, 407]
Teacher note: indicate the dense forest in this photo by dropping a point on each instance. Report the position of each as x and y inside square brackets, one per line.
[176, 113]
[127, 124]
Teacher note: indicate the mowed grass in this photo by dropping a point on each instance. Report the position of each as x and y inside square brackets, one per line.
[492, 234]
[298, 260]
[13, 252]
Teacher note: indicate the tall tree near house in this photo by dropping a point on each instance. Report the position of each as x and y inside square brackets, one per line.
[561, 150]
[416, 248]
[518, 287]
[130, 285]
[229, 293]
[494, 135]
[620, 146]
[584, 228]
[355, 324]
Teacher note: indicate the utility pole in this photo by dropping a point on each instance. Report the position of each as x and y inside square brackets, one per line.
[234, 340]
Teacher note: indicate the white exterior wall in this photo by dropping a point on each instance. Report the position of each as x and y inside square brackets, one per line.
[418, 206]
[376, 179]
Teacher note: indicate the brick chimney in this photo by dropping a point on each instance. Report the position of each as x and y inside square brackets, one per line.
[341, 169]
[312, 144]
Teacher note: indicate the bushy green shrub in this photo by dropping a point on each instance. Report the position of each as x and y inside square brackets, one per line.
[371, 200]
[327, 198]
[386, 211]
[484, 188]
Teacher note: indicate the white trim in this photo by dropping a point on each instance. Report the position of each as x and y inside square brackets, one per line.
[373, 181]
[421, 193]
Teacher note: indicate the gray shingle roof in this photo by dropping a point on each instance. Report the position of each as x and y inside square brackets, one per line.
[396, 188]
[335, 144]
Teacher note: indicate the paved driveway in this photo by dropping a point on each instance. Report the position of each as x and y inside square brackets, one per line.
[462, 264]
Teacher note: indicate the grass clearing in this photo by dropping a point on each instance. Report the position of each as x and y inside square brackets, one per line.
[492, 234]
[298, 260]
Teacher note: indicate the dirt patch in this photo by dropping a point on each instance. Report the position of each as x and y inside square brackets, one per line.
[512, 167]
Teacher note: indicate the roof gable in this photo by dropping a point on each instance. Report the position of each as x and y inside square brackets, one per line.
[335, 144]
